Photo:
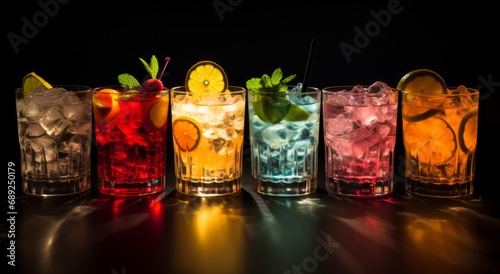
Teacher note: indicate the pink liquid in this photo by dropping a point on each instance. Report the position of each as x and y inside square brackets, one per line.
[359, 147]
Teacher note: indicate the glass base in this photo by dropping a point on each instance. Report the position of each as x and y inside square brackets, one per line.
[362, 190]
[457, 190]
[68, 185]
[208, 189]
[284, 189]
[132, 189]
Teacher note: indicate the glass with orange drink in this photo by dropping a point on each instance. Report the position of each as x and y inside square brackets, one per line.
[208, 120]
[440, 135]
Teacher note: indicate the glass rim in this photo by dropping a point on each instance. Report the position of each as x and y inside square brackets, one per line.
[472, 92]
[334, 89]
[310, 90]
[231, 88]
[121, 89]
[71, 88]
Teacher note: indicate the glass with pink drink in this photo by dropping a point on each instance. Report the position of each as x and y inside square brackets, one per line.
[359, 124]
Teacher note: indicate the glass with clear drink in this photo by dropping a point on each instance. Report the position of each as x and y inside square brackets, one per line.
[55, 132]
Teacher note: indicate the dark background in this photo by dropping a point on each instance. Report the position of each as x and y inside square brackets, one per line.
[91, 42]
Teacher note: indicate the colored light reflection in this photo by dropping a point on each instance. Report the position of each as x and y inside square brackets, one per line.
[447, 241]
[212, 237]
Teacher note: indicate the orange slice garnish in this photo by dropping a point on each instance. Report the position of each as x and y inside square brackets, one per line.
[432, 140]
[106, 106]
[187, 133]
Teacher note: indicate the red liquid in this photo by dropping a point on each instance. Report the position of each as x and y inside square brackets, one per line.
[130, 149]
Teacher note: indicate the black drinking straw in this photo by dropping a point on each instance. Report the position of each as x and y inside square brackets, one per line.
[307, 75]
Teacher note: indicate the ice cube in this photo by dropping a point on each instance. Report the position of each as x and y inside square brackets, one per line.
[54, 122]
[300, 133]
[77, 112]
[361, 147]
[77, 145]
[460, 90]
[358, 89]
[47, 97]
[363, 116]
[239, 123]
[27, 108]
[339, 125]
[275, 136]
[34, 130]
[70, 98]
[42, 149]
[461, 101]
[218, 144]
[378, 86]
[383, 131]
[83, 127]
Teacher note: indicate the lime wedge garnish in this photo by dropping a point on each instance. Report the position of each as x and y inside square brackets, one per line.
[271, 110]
[32, 81]
[296, 114]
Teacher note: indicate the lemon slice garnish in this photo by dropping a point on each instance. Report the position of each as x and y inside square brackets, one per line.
[423, 81]
[206, 76]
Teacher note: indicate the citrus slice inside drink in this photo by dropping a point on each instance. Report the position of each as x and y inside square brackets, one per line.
[467, 132]
[296, 113]
[206, 76]
[423, 81]
[187, 133]
[32, 81]
[157, 113]
[432, 140]
[106, 107]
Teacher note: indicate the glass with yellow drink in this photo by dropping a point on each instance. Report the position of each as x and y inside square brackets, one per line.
[208, 120]
[440, 135]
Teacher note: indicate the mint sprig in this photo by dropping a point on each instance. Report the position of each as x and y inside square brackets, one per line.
[273, 83]
[152, 67]
[130, 82]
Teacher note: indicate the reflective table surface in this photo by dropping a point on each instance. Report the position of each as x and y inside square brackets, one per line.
[248, 233]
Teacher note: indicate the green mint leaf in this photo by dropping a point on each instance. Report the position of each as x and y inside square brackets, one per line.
[128, 81]
[266, 82]
[276, 76]
[152, 67]
[282, 87]
[275, 83]
[254, 84]
[288, 79]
